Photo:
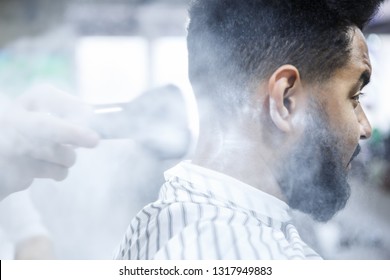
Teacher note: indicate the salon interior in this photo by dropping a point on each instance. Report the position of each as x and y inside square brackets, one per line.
[115, 52]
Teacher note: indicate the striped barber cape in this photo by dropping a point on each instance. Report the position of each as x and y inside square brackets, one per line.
[202, 214]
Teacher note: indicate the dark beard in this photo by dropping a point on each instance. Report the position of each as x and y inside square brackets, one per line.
[313, 177]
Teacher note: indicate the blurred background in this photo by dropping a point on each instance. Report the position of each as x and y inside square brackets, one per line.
[110, 51]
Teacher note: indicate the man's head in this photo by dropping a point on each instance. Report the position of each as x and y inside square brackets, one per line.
[298, 68]
[235, 44]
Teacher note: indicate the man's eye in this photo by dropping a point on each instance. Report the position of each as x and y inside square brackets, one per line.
[356, 98]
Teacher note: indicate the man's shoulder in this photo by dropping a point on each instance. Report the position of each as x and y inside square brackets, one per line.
[188, 230]
[225, 239]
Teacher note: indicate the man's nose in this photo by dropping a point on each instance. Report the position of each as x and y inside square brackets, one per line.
[365, 126]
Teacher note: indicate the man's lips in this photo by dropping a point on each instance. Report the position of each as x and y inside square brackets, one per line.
[355, 154]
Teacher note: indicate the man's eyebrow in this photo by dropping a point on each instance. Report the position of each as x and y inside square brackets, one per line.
[365, 78]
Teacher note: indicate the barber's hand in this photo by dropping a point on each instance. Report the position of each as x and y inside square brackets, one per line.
[39, 133]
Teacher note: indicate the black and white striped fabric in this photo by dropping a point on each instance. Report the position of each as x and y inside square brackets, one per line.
[203, 214]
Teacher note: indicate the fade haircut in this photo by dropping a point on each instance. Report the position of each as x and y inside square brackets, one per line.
[234, 44]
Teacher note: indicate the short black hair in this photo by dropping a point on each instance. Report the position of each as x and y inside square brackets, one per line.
[232, 44]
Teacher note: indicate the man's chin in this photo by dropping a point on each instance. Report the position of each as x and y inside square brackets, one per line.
[321, 193]
[323, 217]
[326, 209]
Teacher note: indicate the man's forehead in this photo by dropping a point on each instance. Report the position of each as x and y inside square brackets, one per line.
[357, 71]
[359, 52]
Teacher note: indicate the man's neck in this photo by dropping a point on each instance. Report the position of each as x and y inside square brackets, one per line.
[238, 156]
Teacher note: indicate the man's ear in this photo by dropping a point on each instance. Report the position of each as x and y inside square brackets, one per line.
[283, 86]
